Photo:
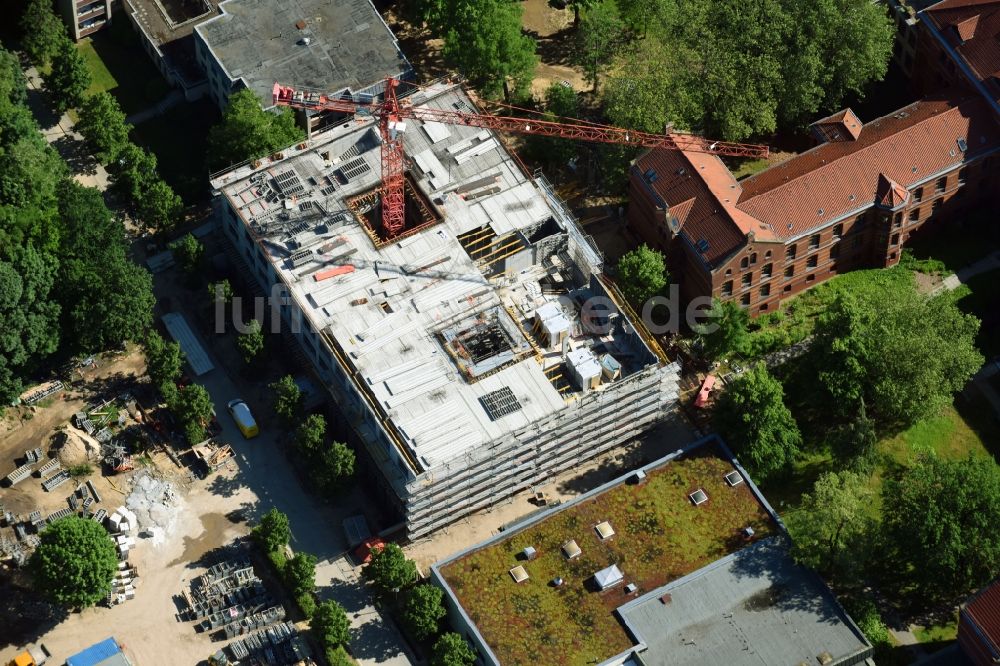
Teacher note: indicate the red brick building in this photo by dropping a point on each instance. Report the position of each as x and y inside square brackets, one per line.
[850, 202]
[979, 626]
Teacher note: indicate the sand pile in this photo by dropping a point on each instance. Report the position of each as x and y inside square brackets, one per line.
[78, 448]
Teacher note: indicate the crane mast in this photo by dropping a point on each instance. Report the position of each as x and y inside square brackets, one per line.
[392, 114]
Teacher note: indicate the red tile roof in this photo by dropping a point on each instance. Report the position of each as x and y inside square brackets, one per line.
[984, 610]
[971, 28]
[836, 178]
[821, 184]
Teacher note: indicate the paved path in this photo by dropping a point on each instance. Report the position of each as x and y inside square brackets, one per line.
[61, 135]
[173, 98]
[988, 263]
[266, 471]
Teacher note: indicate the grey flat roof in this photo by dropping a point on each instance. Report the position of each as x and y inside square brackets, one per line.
[755, 606]
[179, 330]
[349, 46]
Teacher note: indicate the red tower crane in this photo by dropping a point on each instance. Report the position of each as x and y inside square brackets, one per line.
[392, 112]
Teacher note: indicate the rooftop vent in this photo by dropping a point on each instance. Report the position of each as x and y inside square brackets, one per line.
[609, 577]
[631, 588]
[819, 212]
[529, 553]
[604, 530]
[748, 532]
[698, 497]
[824, 658]
[519, 574]
[733, 478]
[702, 245]
[571, 550]
[638, 477]
[557, 582]
[962, 145]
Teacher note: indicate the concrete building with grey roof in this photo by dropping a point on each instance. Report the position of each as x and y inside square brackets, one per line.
[474, 356]
[338, 46]
[680, 563]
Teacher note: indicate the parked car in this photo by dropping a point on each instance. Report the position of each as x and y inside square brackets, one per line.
[243, 418]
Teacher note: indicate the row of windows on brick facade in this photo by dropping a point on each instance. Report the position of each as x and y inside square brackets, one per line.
[766, 271]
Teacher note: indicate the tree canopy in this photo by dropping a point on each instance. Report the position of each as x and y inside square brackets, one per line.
[726, 329]
[251, 341]
[189, 252]
[102, 123]
[192, 405]
[424, 610]
[939, 521]
[752, 415]
[273, 532]
[642, 274]
[164, 360]
[599, 38]
[300, 573]
[330, 624]
[287, 400]
[247, 132]
[42, 32]
[734, 69]
[74, 563]
[389, 569]
[332, 467]
[560, 102]
[452, 650]
[69, 77]
[833, 524]
[901, 353]
[310, 433]
[483, 39]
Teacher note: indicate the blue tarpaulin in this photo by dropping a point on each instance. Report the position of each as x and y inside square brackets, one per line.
[99, 653]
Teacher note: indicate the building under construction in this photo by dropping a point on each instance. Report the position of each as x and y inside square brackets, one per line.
[475, 354]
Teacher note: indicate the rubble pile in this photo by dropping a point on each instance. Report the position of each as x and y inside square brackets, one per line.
[156, 506]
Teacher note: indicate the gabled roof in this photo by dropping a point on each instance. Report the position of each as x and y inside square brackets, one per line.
[889, 156]
[971, 28]
[984, 611]
[890, 194]
[831, 180]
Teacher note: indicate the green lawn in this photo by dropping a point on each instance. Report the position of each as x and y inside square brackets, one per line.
[796, 318]
[119, 66]
[947, 436]
[938, 633]
[749, 167]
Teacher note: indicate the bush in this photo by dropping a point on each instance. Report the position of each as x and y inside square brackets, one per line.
[300, 573]
[83, 469]
[306, 603]
[867, 617]
[338, 656]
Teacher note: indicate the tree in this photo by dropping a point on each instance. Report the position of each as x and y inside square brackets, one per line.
[108, 303]
[939, 521]
[904, 355]
[159, 207]
[483, 39]
[273, 531]
[247, 132]
[133, 171]
[102, 123]
[42, 32]
[854, 444]
[560, 102]
[220, 291]
[452, 650]
[30, 317]
[309, 435]
[338, 657]
[189, 253]
[577, 5]
[642, 274]
[163, 359]
[193, 408]
[833, 525]
[74, 563]
[331, 467]
[69, 78]
[389, 569]
[751, 414]
[300, 573]
[726, 330]
[287, 400]
[599, 38]
[30, 173]
[424, 611]
[330, 624]
[251, 341]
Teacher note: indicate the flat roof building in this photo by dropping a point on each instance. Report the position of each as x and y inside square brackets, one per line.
[696, 571]
[338, 46]
[475, 355]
